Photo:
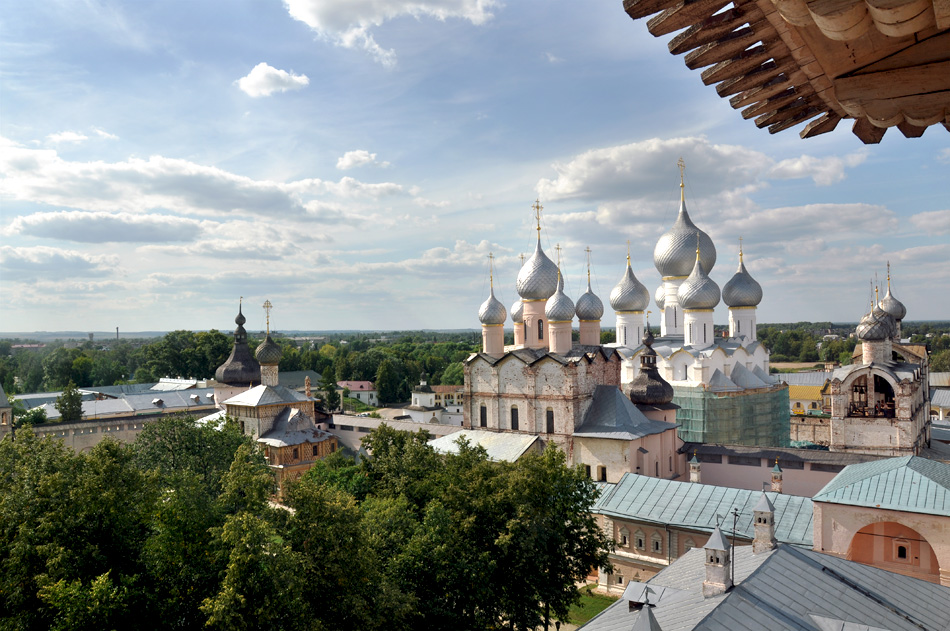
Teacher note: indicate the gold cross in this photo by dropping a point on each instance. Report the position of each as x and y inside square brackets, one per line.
[537, 214]
[491, 279]
[740, 249]
[267, 307]
[682, 165]
[587, 249]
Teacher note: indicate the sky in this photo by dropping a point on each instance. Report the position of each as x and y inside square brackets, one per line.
[355, 163]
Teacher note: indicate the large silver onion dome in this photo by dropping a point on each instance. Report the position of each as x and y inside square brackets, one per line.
[876, 326]
[660, 297]
[742, 290]
[893, 306]
[589, 306]
[517, 312]
[559, 307]
[698, 291]
[492, 311]
[629, 294]
[675, 251]
[268, 353]
[537, 279]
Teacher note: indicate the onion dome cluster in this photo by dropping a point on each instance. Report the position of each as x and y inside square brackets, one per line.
[492, 311]
[268, 353]
[698, 291]
[559, 307]
[878, 325]
[742, 290]
[648, 387]
[589, 306]
[675, 251]
[538, 278]
[629, 294]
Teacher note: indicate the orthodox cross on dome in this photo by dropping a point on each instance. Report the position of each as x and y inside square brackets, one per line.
[740, 249]
[682, 165]
[491, 278]
[537, 214]
[557, 247]
[697, 246]
[521, 256]
[587, 249]
[267, 307]
[628, 251]
[888, 276]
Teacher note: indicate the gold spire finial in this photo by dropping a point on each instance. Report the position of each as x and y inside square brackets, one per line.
[521, 256]
[682, 165]
[557, 248]
[537, 215]
[888, 276]
[240, 302]
[628, 251]
[587, 249]
[697, 246]
[491, 277]
[267, 307]
[740, 249]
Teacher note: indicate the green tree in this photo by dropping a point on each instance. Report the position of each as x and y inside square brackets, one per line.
[69, 404]
[331, 398]
[454, 374]
[387, 382]
[940, 361]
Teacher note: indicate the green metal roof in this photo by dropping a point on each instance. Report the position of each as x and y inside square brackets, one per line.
[695, 506]
[909, 483]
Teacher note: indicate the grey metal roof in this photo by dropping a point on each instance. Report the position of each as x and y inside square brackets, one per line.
[939, 379]
[612, 415]
[266, 395]
[940, 398]
[811, 378]
[695, 506]
[791, 454]
[293, 427]
[698, 291]
[500, 446]
[745, 378]
[719, 382]
[297, 379]
[675, 251]
[532, 356]
[909, 483]
[787, 589]
[629, 294]
[742, 290]
[4, 403]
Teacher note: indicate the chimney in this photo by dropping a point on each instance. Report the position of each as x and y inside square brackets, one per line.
[306, 386]
[763, 516]
[694, 476]
[718, 565]
[776, 478]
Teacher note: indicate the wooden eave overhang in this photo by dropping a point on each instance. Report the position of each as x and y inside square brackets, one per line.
[882, 63]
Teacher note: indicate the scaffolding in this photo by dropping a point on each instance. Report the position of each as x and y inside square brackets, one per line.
[756, 417]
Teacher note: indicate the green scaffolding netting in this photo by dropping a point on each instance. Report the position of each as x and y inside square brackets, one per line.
[749, 417]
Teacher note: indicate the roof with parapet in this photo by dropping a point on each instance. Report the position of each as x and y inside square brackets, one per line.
[613, 416]
[810, 378]
[696, 506]
[266, 395]
[500, 446]
[532, 356]
[354, 386]
[909, 483]
[786, 589]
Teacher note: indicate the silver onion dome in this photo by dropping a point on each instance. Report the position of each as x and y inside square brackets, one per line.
[559, 307]
[742, 290]
[517, 312]
[492, 311]
[537, 279]
[268, 353]
[877, 325]
[893, 306]
[589, 306]
[675, 251]
[698, 291]
[629, 294]
[660, 297]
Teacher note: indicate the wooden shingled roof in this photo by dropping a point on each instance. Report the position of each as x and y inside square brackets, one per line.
[883, 63]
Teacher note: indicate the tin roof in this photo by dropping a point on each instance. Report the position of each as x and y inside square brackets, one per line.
[909, 483]
[265, 395]
[809, 393]
[612, 415]
[940, 398]
[939, 379]
[695, 506]
[500, 446]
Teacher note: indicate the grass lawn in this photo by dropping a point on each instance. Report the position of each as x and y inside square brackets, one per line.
[591, 604]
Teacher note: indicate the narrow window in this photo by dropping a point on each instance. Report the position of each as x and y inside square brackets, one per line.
[624, 341]
[901, 552]
[587, 470]
[296, 453]
[623, 541]
[540, 329]
[674, 317]
[738, 326]
[671, 463]
[514, 418]
[549, 417]
[483, 416]
[602, 473]
[656, 468]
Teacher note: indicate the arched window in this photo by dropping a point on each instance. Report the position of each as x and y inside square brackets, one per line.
[624, 340]
[549, 418]
[483, 416]
[540, 329]
[514, 417]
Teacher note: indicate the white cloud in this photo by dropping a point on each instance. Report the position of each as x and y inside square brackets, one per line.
[67, 136]
[358, 158]
[552, 58]
[944, 156]
[422, 202]
[104, 227]
[824, 171]
[180, 186]
[27, 263]
[104, 134]
[934, 221]
[264, 80]
[348, 23]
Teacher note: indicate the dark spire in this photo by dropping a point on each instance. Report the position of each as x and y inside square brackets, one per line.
[241, 367]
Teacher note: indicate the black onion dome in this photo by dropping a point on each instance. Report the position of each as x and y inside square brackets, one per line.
[648, 387]
[241, 368]
[268, 353]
